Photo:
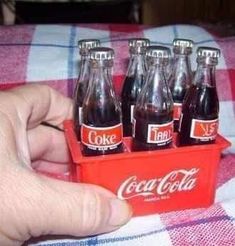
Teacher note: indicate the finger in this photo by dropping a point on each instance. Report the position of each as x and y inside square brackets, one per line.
[61, 172]
[48, 144]
[8, 144]
[45, 206]
[50, 167]
[33, 104]
[27, 106]
[94, 210]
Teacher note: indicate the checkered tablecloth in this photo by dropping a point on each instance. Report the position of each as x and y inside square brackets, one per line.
[48, 54]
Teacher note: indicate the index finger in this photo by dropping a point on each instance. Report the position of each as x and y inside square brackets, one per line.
[34, 104]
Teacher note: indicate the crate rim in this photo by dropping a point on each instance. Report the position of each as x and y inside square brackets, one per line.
[220, 144]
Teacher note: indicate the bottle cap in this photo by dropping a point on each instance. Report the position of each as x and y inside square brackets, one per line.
[208, 55]
[86, 44]
[208, 52]
[158, 52]
[138, 42]
[182, 46]
[138, 45]
[101, 53]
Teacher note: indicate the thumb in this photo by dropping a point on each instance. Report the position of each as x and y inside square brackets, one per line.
[45, 206]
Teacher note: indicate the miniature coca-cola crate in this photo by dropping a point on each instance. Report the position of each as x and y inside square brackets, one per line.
[152, 181]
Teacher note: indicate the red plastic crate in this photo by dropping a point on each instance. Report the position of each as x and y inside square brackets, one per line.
[152, 181]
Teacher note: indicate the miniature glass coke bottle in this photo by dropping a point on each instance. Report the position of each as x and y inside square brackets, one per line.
[181, 76]
[153, 114]
[199, 117]
[101, 130]
[82, 83]
[133, 82]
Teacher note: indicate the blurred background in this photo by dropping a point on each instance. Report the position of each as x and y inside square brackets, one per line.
[220, 14]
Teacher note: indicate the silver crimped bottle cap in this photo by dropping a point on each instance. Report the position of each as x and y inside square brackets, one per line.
[182, 46]
[101, 53]
[138, 45]
[208, 52]
[158, 52]
[88, 43]
[187, 43]
[138, 42]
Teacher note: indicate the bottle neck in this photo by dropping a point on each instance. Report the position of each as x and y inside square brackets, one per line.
[205, 75]
[101, 80]
[157, 74]
[181, 74]
[156, 91]
[84, 69]
[136, 65]
[158, 65]
[182, 62]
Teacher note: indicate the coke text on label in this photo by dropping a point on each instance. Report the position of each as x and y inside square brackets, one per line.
[101, 137]
[177, 110]
[204, 129]
[160, 133]
[176, 181]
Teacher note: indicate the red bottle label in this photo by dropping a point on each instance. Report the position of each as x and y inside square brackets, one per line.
[101, 138]
[177, 110]
[160, 134]
[204, 130]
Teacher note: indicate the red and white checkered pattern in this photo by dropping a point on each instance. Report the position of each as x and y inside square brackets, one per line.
[48, 54]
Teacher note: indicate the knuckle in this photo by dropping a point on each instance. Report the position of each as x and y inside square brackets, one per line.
[93, 212]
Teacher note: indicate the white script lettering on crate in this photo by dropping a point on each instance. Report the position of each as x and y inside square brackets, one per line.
[175, 181]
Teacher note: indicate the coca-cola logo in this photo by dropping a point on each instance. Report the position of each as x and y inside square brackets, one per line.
[175, 181]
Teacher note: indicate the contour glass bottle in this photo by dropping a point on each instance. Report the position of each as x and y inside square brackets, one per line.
[153, 114]
[82, 82]
[199, 117]
[181, 76]
[101, 131]
[134, 81]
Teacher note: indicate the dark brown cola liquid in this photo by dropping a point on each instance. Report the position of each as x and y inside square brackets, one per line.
[143, 119]
[101, 115]
[200, 103]
[178, 94]
[131, 89]
[79, 94]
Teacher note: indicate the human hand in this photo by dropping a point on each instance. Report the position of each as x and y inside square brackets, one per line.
[32, 205]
